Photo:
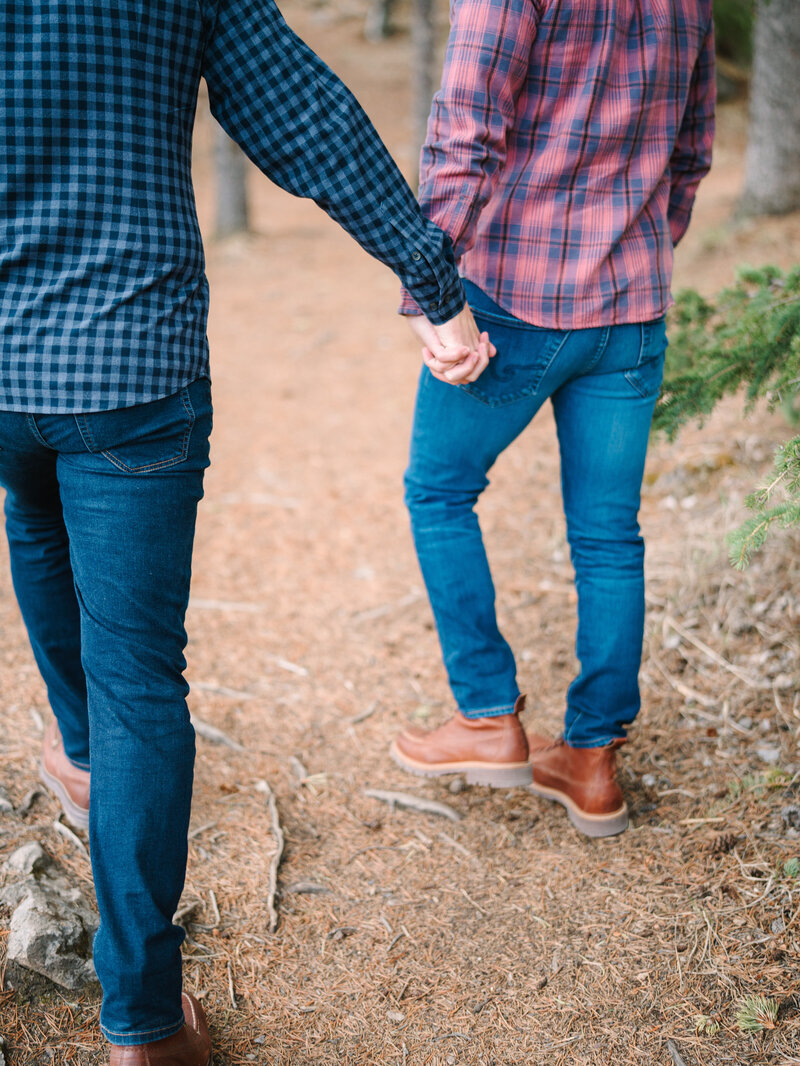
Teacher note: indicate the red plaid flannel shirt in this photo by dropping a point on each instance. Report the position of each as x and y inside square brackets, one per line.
[565, 148]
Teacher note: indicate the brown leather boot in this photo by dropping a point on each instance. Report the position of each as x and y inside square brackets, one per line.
[488, 751]
[190, 1046]
[66, 781]
[583, 780]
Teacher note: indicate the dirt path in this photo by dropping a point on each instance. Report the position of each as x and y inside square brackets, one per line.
[503, 937]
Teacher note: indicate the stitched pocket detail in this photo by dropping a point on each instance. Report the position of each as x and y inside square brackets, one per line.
[142, 439]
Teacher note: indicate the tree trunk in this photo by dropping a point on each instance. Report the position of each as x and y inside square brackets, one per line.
[378, 25]
[232, 215]
[423, 39]
[772, 163]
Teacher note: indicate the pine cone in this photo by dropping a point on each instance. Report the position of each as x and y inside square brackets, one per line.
[721, 843]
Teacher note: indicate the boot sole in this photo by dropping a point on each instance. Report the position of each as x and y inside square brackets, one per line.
[591, 825]
[495, 775]
[76, 816]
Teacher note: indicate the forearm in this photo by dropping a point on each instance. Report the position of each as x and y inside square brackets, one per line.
[305, 130]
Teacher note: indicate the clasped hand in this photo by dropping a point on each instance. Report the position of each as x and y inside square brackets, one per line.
[454, 352]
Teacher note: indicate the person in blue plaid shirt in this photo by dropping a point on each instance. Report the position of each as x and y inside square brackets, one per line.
[105, 407]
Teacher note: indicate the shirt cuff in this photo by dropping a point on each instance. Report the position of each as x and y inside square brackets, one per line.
[408, 305]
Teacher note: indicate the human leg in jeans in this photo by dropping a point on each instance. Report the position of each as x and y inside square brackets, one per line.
[603, 422]
[457, 435]
[129, 482]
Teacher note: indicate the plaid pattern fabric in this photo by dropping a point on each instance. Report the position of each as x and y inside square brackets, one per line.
[103, 296]
[564, 151]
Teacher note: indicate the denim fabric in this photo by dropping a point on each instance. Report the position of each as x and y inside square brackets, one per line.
[603, 384]
[100, 514]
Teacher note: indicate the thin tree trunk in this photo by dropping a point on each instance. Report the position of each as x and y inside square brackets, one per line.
[772, 163]
[378, 23]
[423, 39]
[232, 214]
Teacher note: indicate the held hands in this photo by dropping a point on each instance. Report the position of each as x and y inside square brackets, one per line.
[454, 352]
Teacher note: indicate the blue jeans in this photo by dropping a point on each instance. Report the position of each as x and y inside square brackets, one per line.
[603, 384]
[100, 515]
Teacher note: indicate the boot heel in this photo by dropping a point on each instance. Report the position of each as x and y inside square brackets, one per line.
[519, 776]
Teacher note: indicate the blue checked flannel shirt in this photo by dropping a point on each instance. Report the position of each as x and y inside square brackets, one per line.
[103, 294]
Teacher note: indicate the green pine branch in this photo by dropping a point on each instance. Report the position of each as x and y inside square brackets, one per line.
[748, 339]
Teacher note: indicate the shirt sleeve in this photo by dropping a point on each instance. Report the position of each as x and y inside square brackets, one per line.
[486, 64]
[306, 131]
[691, 157]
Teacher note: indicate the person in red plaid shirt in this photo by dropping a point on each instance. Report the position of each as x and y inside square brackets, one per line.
[563, 155]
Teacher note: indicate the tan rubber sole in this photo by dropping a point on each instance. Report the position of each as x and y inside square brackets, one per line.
[495, 775]
[591, 825]
[76, 816]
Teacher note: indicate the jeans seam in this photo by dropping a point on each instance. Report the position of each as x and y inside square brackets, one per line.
[174, 459]
[145, 1032]
[508, 398]
[85, 431]
[486, 711]
[34, 429]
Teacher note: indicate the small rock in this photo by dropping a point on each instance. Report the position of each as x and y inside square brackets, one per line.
[456, 786]
[769, 753]
[649, 780]
[52, 922]
[778, 926]
[31, 859]
[395, 1016]
[790, 816]
[745, 722]
[783, 681]
[6, 806]
[307, 888]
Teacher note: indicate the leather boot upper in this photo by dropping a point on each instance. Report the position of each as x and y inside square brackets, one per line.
[191, 1046]
[54, 759]
[586, 775]
[500, 739]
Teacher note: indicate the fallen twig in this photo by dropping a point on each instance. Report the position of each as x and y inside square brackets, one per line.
[216, 736]
[684, 690]
[28, 800]
[73, 838]
[222, 690]
[675, 1055]
[386, 608]
[455, 844]
[284, 664]
[215, 906]
[364, 714]
[231, 991]
[714, 656]
[306, 888]
[414, 803]
[277, 832]
[299, 770]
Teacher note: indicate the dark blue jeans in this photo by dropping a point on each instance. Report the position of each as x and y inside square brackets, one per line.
[603, 384]
[100, 515]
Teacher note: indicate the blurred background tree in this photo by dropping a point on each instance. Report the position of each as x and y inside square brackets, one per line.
[772, 163]
[232, 214]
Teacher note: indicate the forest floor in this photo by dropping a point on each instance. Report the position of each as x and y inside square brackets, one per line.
[503, 937]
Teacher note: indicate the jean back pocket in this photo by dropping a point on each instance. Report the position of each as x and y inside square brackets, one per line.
[148, 437]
